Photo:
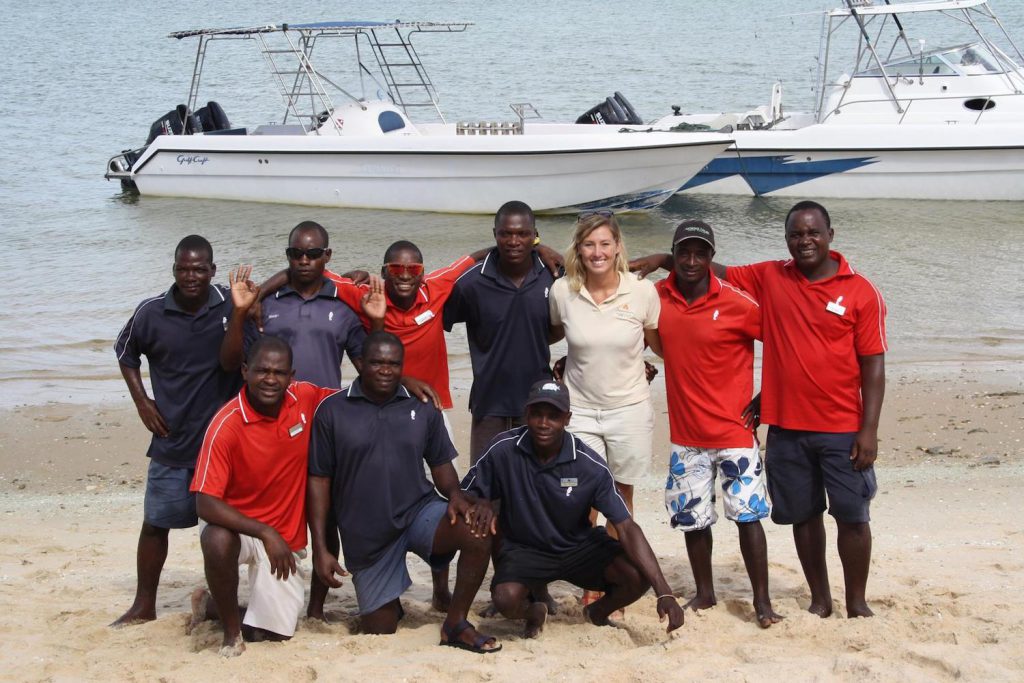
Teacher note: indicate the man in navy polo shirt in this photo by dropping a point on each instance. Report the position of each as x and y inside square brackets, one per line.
[547, 481]
[180, 334]
[366, 456]
[504, 302]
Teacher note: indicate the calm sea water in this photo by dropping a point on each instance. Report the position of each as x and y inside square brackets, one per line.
[87, 79]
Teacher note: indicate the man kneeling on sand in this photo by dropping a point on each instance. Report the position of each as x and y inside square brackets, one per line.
[547, 481]
[250, 486]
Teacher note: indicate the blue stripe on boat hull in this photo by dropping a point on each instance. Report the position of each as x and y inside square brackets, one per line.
[766, 174]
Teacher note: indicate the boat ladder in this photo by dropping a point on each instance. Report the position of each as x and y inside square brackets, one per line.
[406, 79]
[300, 84]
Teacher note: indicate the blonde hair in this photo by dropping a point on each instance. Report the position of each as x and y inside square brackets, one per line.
[575, 271]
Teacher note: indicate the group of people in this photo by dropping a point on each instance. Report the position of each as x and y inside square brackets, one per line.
[255, 434]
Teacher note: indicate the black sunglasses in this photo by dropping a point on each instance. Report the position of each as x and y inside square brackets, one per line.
[604, 213]
[295, 253]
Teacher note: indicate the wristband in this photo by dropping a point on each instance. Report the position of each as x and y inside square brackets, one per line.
[667, 596]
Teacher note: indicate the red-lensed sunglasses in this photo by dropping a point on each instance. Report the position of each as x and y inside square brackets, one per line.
[400, 269]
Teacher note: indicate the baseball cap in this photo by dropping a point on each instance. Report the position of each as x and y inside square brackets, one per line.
[549, 391]
[693, 230]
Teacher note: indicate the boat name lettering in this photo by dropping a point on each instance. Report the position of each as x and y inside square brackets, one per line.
[189, 159]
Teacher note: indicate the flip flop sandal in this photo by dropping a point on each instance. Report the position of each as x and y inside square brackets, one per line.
[452, 639]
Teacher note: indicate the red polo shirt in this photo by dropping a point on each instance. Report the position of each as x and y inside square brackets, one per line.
[421, 328]
[708, 346]
[814, 333]
[257, 464]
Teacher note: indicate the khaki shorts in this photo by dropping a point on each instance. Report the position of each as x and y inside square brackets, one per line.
[274, 604]
[621, 435]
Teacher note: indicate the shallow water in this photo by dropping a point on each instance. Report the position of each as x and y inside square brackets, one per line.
[79, 255]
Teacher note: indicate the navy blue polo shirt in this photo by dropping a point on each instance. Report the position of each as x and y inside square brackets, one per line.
[374, 455]
[507, 327]
[319, 330]
[183, 350]
[547, 506]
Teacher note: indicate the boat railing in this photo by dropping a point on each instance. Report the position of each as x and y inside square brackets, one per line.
[980, 103]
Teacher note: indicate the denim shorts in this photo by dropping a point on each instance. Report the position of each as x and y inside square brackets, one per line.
[169, 504]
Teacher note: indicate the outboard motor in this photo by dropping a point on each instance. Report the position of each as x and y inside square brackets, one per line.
[173, 122]
[212, 118]
[615, 110]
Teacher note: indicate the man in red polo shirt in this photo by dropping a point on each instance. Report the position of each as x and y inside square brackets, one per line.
[822, 385]
[708, 328]
[250, 486]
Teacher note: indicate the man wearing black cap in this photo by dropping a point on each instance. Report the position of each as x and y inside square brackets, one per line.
[547, 481]
[708, 328]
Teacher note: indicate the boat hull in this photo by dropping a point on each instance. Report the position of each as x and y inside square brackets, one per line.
[551, 173]
[871, 161]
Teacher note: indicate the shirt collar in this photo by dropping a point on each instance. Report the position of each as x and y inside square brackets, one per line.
[490, 267]
[627, 283]
[215, 297]
[845, 270]
[714, 288]
[328, 290]
[565, 455]
[251, 415]
[355, 391]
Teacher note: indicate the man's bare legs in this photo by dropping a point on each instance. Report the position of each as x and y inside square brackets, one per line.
[513, 601]
[220, 559]
[809, 537]
[625, 586]
[855, 554]
[317, 588]
[149, 563]
[754, 548]
[626, 491]
[698, 548]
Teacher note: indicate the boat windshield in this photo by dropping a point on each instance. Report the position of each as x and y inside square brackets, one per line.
[970, 59]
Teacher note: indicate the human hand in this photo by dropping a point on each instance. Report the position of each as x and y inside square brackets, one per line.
[328, 568]
[374, 303]
[865, 449]
[650, 371]
[752, 413]
[421, 390]
[669, 607]
[358, 277]
[282, 561]
[152, 418]
[244, 292]
[558, 369]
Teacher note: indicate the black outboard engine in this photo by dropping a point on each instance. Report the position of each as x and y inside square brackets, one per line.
[212, 118]
[173, 122]
[615, 110]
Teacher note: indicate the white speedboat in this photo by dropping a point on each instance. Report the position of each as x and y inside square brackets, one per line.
[367, 152]
[905, 120]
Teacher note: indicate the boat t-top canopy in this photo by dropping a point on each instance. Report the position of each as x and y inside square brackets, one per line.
[325, 26]
[906, 7]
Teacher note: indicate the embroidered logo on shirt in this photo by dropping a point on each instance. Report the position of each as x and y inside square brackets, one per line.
[224, 322]
[330, 316]
[272, 316]
[715, 316]
[545, 292]
[412, 414]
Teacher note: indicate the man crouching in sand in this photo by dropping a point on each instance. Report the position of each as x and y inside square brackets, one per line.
[250, 486]
[547, 481]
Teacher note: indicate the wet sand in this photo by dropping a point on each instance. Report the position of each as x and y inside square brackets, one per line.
[948, 558]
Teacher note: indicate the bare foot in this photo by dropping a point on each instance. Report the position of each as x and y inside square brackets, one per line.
[766, 616]
[699, 602]
[316, 612]
[232, 647]
[821, 609]
[861, 610]
[134, 615]
[536, 615]
[588, 614]
[200, 600]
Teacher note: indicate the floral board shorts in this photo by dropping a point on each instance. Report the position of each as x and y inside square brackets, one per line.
[690, 489]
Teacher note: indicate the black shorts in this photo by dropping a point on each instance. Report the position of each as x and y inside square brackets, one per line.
[583, 566]
[803, 466]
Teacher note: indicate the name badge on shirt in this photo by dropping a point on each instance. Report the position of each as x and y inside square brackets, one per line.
[295, 430]
[424, 317]
[836, 306]
[568, 481]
